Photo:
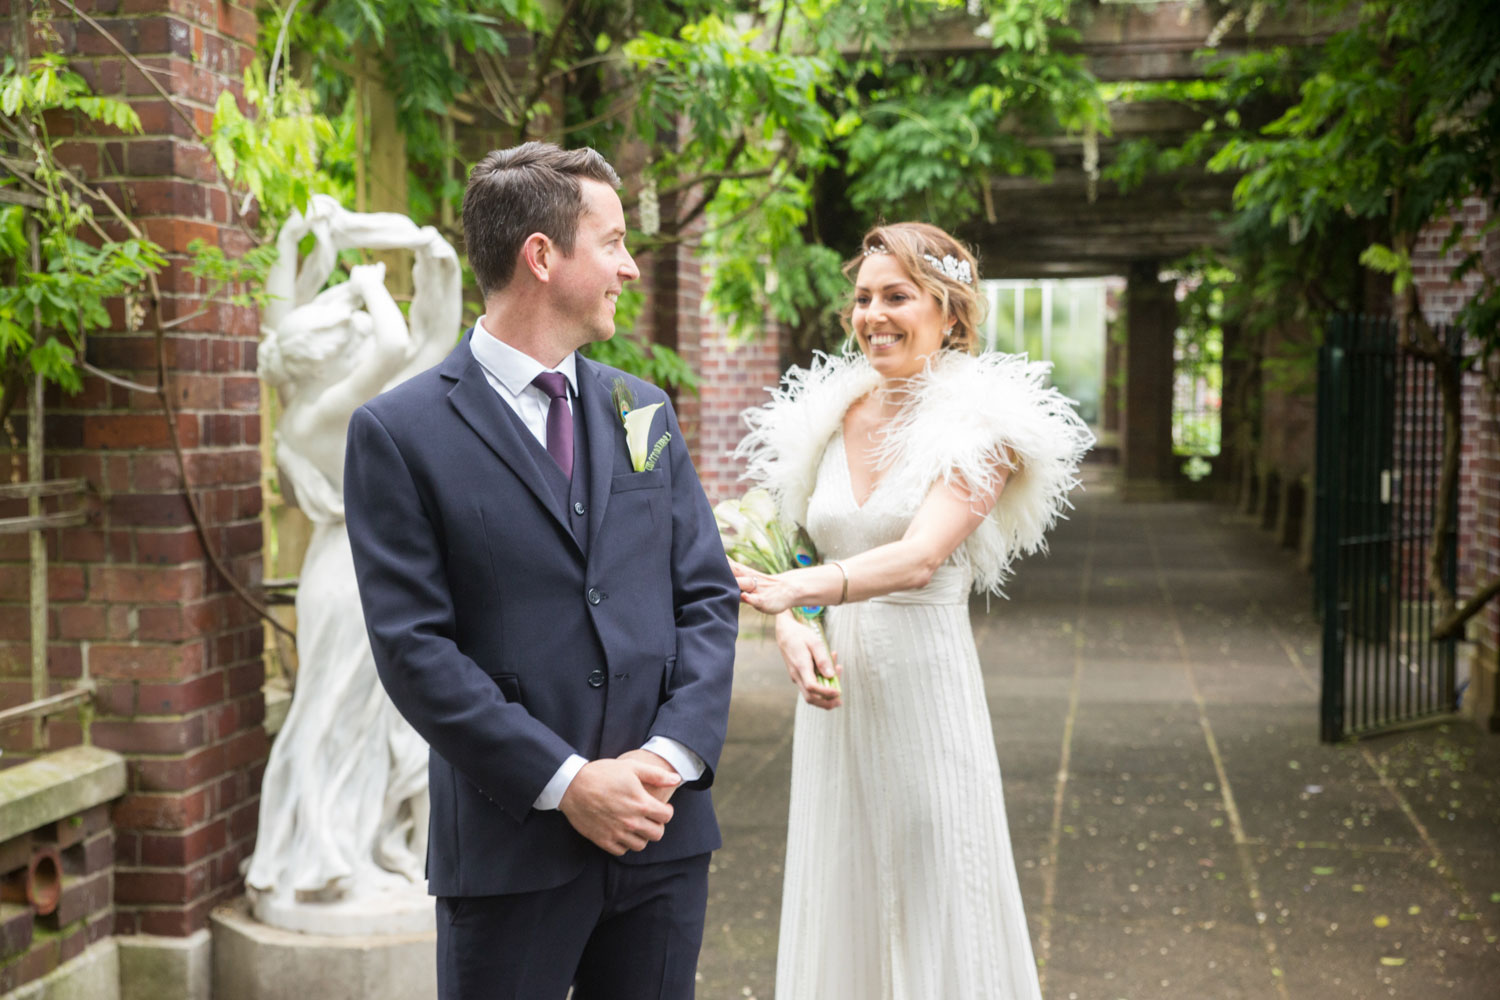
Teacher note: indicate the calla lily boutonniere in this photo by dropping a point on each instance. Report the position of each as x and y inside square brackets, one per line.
[637, 423]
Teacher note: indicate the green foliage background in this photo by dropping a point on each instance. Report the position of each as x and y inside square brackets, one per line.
[48, 305]
[1344, 151]
[767, 135]
[770, 134]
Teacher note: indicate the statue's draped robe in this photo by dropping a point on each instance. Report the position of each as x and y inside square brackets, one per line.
[347, 778]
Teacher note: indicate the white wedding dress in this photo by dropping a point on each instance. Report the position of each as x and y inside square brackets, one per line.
[900, 882]
[899, 876]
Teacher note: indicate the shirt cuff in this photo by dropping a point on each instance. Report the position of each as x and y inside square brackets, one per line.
[552, 795]
[688, 764]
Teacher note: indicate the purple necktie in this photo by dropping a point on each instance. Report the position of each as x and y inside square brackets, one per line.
[559, 419]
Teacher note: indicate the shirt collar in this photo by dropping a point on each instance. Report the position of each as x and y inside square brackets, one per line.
[512, 368]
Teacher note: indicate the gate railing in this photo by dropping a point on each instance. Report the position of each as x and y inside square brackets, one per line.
[1379, 458]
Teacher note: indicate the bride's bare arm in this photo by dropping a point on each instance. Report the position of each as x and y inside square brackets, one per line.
[949, 515]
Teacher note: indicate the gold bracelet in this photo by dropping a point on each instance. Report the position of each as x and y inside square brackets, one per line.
[843, 594]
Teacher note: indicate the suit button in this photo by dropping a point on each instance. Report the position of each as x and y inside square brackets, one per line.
[579, 508]
[594, 596]
[596, 679]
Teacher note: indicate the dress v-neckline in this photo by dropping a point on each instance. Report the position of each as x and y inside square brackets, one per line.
[849, 476]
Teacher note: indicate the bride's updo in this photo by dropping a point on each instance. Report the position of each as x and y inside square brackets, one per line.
[940, 265]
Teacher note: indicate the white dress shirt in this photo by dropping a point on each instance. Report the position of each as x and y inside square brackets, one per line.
[510, 373]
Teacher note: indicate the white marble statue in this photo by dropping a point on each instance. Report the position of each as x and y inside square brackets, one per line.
[343, 808]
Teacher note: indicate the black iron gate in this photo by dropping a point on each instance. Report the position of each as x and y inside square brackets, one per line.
[1380, 444]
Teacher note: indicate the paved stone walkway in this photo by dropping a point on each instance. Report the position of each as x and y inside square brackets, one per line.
[1179, 829]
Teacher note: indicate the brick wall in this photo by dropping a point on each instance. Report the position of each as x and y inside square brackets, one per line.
[1479, 476]
[1484, 486]
[1479, 539]
[32, 945]
[137, 607]
[733, 376]
[1441, 298]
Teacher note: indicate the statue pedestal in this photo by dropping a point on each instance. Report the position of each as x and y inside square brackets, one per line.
[399, 908]
[252, 961]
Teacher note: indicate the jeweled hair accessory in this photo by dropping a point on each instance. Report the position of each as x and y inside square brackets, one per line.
[950, 266]
[955, 269]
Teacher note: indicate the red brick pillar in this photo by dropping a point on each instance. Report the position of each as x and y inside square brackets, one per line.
[732, 376]
[1486, 544]
[137, 606]
[1479, 476]
[1479, 547]
[735, 378]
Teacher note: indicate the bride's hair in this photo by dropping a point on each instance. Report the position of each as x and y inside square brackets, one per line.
[937, 263]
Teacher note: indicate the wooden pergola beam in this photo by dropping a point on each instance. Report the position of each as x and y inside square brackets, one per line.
[1134, 41]
[1055, 228]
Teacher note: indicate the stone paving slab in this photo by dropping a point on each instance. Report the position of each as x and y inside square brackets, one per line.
[1349, 924]
[1179, 831]
[1155, 958]
[1148, 872]
[1291, 788]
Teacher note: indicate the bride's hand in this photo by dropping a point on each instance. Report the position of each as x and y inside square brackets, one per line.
[803, 650]
[767, 594]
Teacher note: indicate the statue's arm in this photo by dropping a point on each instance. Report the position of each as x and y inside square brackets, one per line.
[337, 230]
[386, 353]
[437, 305]
[368, 230]
[281, 279]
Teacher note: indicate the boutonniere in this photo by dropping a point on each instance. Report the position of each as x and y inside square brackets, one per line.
[637, 423]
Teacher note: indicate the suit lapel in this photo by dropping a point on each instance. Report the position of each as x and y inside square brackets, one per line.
[606, 439]
[480, 407]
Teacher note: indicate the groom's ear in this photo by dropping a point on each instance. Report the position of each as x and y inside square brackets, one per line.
[538, 255]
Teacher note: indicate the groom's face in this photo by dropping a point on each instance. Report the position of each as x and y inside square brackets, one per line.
[589, 281]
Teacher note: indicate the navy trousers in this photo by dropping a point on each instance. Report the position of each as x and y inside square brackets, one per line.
[617, 932]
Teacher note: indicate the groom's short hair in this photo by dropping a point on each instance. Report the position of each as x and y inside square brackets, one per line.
[512, 193]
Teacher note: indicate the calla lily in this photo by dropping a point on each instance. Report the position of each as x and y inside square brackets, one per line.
[753, 534]
[759, 506]
[637, 434]
[731, 521]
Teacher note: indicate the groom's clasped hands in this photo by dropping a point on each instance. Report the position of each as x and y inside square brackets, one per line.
[620, 804]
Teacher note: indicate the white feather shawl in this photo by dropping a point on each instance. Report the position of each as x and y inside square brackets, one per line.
[963, 417]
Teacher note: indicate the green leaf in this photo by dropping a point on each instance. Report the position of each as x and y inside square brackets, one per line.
[1381, 258]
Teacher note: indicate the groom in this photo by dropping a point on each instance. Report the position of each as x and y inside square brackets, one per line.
[558, 624]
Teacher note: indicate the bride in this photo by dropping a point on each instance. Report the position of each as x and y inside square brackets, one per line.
[920, 471]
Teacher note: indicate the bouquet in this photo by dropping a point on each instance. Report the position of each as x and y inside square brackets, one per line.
[753, 535]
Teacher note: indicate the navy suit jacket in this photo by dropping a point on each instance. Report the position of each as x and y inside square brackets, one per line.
[487, 620]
